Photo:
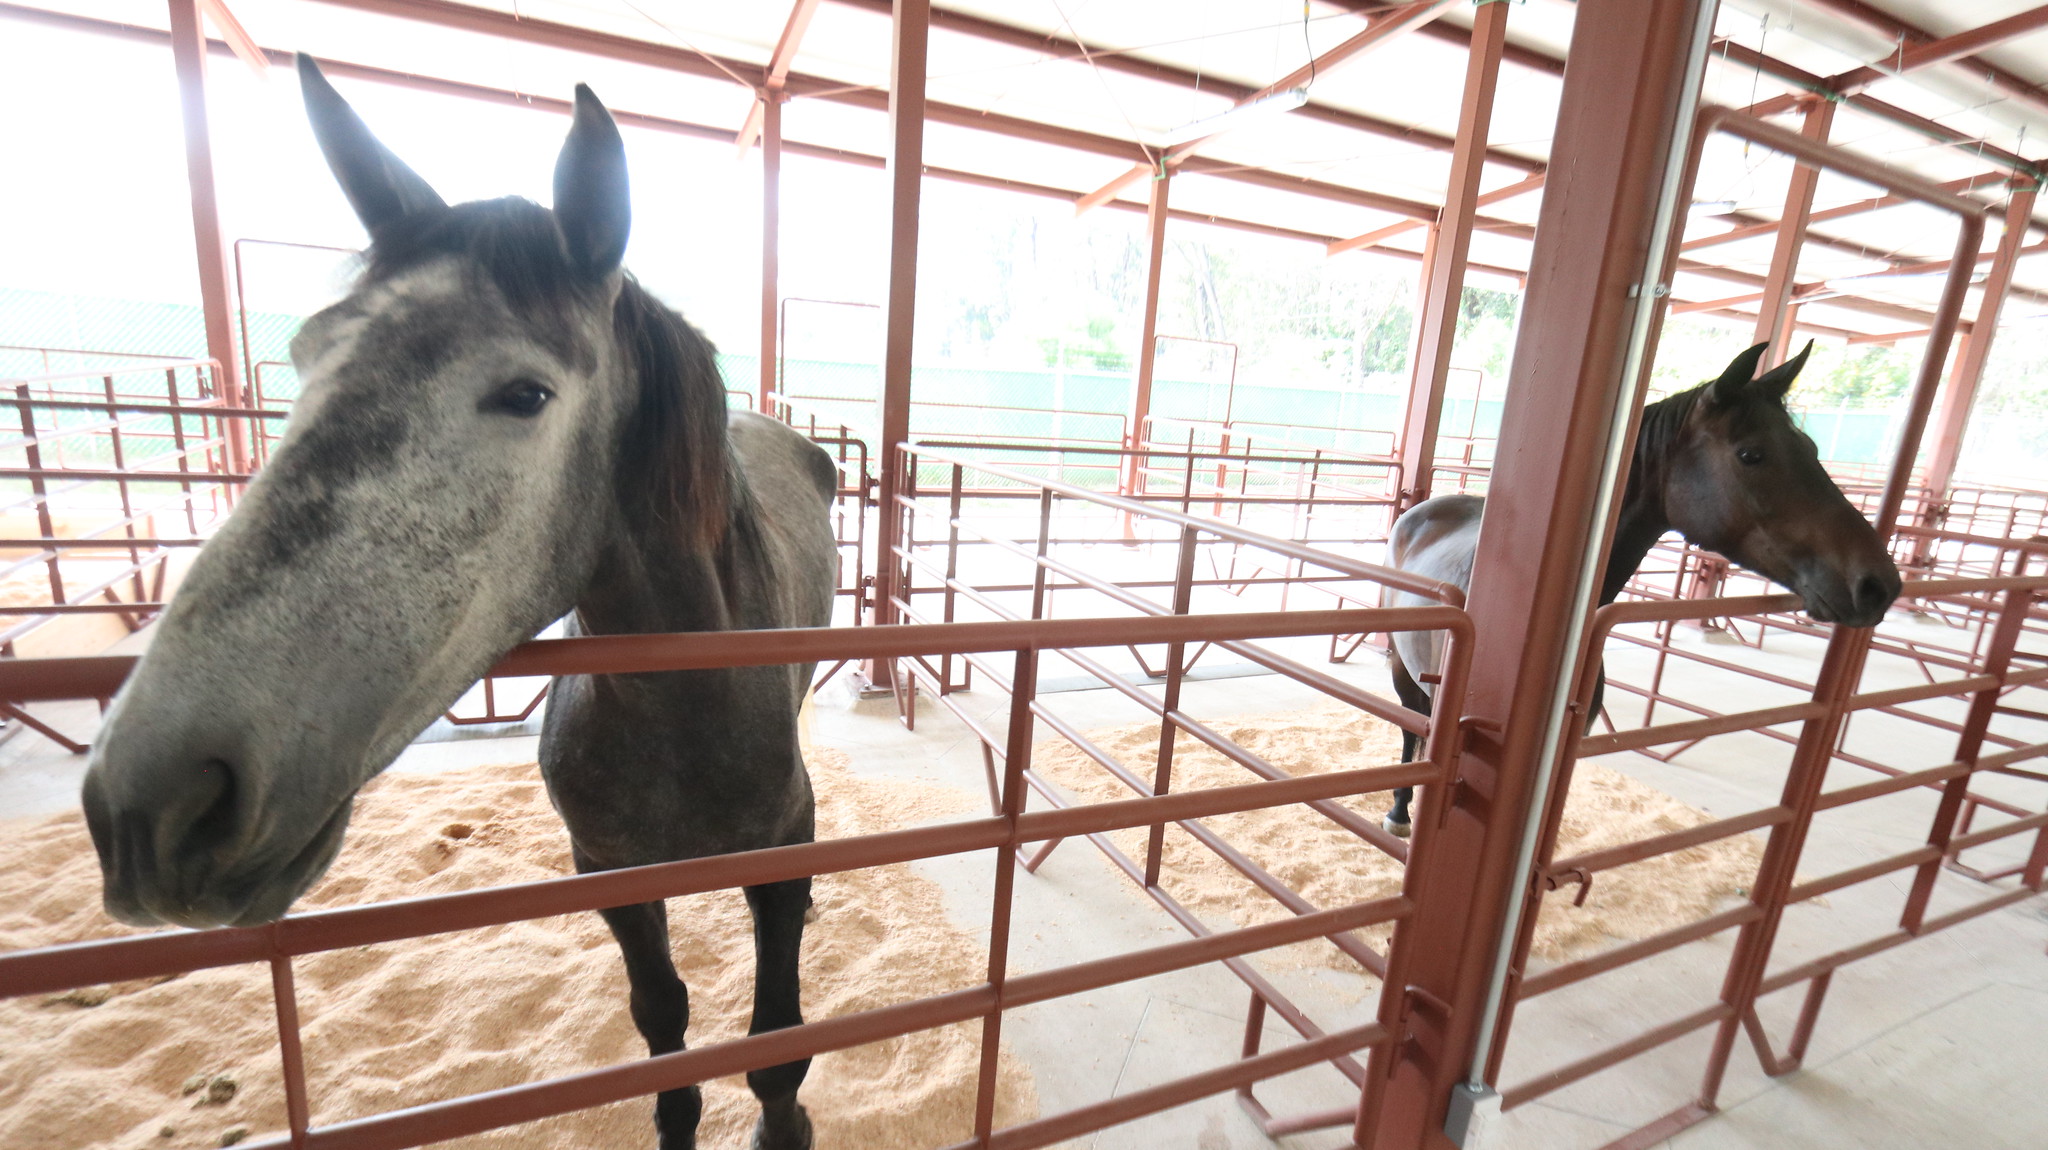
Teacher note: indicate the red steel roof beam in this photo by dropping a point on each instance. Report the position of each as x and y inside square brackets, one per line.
[1943, 50]
[1747, 231]
[1383, 27]
[1885, 23]
[1122, 61]
[1371, 239]
[779, 63]
[461, 90]
[909, 41]
[1450, 242]
[769, 108]
[658, 56]
[188, 55]
[1156, 217]
[237, 37]
[1969, 370]
[1739, 55]
[1532, 59]
[1717, 306]
[1774, 311]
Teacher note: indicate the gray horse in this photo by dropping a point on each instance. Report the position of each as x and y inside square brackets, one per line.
[498, 427]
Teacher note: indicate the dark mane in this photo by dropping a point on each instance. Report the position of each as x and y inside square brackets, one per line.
[1658, 432]
[672, 460]
[674, 467]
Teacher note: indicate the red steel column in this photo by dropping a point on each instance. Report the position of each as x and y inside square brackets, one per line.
[1774, 313]
[1148, 327]
[1586, 338]
[912, 24]
[1976, 350]
[771, 240]
[188, 53]
[1450, 242]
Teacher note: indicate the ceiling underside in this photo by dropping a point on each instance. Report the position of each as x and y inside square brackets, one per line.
[1061, 97]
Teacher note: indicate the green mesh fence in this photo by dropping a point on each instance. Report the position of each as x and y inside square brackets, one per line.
[1036, 404]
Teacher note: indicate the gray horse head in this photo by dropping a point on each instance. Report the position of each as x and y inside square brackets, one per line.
[442, 492]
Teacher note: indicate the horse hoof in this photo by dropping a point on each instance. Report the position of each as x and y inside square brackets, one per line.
[1398, 830]
[789, 1135]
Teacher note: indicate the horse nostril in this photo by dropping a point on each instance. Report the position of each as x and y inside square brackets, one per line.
[213, 797]
[1873, 594]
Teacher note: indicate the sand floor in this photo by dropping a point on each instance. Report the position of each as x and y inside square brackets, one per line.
[400, 1024]
[1332, 867]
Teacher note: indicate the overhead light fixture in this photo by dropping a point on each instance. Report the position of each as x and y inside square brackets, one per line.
[1712, 207]
[1285, 100]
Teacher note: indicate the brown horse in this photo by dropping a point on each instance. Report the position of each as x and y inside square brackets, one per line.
[1723, 465]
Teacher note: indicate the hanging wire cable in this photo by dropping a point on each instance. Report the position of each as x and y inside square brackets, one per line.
[685, 42]
[1307, 47]
[1137, 137]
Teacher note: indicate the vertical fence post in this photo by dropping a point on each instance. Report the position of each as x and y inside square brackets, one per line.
[188, 53]
[2004, 638]
[1975, 351]
[1162, 771]
[1016, 757]
[1775, 311]
[39, 490]
[771, 241]
[1148, 330]
[1840, 669]
[911, 31]
[285, 996]
[1587, 333]
[136, 581]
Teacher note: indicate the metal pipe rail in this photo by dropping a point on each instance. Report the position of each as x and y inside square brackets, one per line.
[1145, 870]
[1833, 697]
[41, 971]
[136, 430]
[1963, 591]
[1446, 593]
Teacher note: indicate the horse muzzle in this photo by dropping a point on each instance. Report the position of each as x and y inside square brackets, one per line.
[1857, 596]
[197, 857]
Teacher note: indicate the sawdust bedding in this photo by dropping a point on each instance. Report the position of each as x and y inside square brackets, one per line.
[1332, 867]
[192, 1061]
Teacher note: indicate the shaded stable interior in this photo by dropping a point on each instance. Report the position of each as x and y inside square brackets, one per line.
[971, 566]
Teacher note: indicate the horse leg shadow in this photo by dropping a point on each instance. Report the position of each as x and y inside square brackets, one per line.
[1416, 699]
[779, 912]
[660, 1007]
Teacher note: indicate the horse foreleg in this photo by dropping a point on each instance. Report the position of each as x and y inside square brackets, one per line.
[1416, 699]
[779, 911]
[660, 1005]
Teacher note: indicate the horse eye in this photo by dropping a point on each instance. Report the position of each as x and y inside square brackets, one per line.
[1750, 456]
[522, 397]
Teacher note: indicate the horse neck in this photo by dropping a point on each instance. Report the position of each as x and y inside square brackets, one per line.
[1642, 521]
[651, 578]
[1641, 524]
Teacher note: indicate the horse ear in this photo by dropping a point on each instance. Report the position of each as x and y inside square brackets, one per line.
[378, 185]
[1733, 381]
[593, 206]
[1777, 381]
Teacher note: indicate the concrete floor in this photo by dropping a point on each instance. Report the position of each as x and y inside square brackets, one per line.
[1935, 1043]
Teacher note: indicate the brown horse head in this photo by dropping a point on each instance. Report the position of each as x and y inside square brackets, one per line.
[1737, 476]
